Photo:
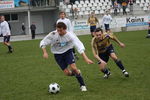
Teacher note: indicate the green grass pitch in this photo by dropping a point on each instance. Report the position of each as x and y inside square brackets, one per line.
[25, 75]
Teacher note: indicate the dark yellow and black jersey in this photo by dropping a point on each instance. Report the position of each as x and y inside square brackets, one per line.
[101, 45]
[92, 21]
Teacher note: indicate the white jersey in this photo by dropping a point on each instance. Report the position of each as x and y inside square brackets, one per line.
[60, 44]
[67, 22]
[106, 19]
[4, 28]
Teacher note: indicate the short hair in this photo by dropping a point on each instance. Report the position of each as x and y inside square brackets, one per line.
[2, 16]
[61, 25]
[98, 29]
[62, 12]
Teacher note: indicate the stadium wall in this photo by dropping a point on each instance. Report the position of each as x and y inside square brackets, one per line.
[120, 23]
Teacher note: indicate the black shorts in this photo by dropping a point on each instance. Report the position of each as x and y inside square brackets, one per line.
[106, 27]
[92, 28]
[105, 56]
[65, 59]
[7, 38]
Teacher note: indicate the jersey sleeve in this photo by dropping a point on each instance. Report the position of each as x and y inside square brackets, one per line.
[111, 35]
[46, 41]
[70, 27]
[78, 44]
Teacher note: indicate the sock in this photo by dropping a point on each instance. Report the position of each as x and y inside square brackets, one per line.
[72, 74]
[105, 71]
[9, 47]
[119, 64]
[80, 80]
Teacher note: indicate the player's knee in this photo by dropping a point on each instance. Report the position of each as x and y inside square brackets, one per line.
[67, 72]
[102, 65]
[114, 58]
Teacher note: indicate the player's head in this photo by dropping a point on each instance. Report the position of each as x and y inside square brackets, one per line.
[92, 14]
[62, 14]
[107, 12]
[98, 32]
[61, 28]
[2, 17]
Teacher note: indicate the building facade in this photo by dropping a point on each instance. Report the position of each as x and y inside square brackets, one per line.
[43, 13]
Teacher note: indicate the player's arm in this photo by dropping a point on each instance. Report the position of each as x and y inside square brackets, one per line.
[95, 50]
[7, 30]
[80, 48]
[95, 53]
[46, 41]
[88, 21]
[113, 37]
[70, 27]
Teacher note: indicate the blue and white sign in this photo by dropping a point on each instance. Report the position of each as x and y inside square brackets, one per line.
[137, 21]
[20, 3]
[80, 25]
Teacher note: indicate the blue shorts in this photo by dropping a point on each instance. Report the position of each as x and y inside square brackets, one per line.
[92, 28]
[65, 59]
[7, 38]
[105, 56]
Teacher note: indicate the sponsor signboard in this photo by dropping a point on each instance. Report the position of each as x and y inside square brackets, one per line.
[137, 21]
[80, 25]
[118, 22]
[6, 4]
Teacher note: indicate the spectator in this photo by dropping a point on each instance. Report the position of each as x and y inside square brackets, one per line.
[131, 6]
[115, 8]
[23, 28]
[113, 1]
[124, 6]
[33, 29]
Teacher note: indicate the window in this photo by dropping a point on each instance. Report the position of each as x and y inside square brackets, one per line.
[14, 17]
[11, 17]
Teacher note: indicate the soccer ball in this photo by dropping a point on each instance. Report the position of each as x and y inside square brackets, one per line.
[53, 88]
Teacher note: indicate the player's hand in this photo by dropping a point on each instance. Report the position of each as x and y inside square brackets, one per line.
[122, 45]
[45, 55]
[89, 61]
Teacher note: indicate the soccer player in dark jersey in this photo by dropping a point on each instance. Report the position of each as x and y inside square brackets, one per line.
[102, 49]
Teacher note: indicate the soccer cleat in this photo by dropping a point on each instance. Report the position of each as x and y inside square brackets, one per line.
[106, 75]
[11, 50]
[148, 36]
[83, 88]
[126, 74]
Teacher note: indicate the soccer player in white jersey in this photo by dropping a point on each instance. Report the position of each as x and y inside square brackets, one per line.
[62, 18]
[5, 32]
[106, 21]
[69, 25]
[62, 42]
